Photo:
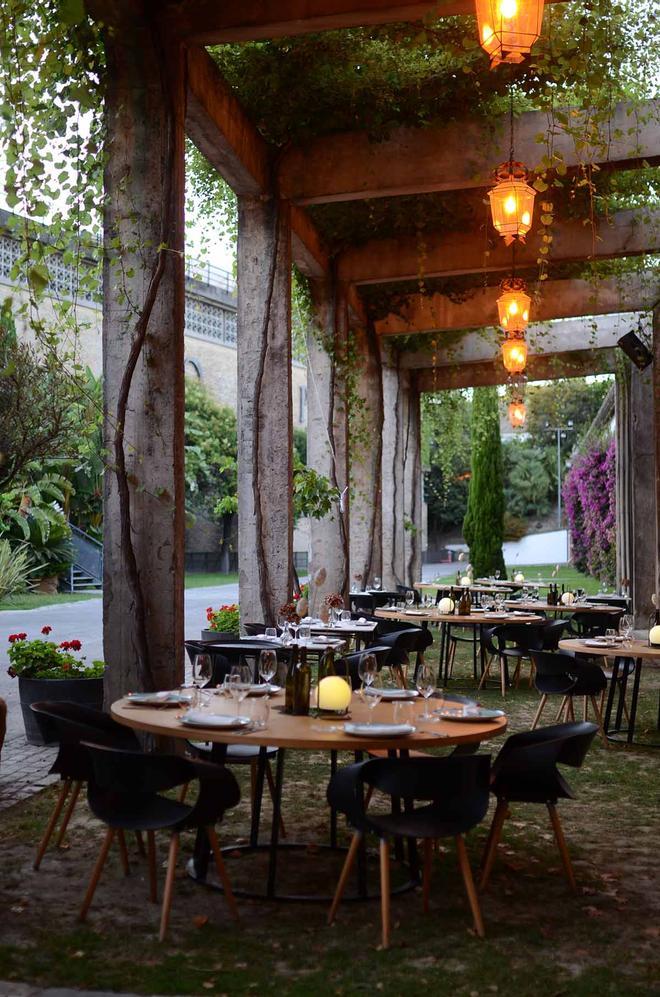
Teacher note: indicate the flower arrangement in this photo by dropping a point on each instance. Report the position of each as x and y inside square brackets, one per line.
[590, 503]
[44, 659]
[226, 619]
[334, 600]
[289, 612]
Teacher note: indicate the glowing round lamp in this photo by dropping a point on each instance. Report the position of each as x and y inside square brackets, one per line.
[512, 202]
[465, 581]
[513, 305]
[519, 578]
[446, 605]
[567, 599]
[334, 694]
[517, 413]
[514, 353]
[654, 636]
[508, 28]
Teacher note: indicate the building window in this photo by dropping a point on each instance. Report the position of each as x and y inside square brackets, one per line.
[302, 404]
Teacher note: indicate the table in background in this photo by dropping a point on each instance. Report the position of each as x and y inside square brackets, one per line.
[640, 652]
[351, 629]
[575, 607]
[298, 733]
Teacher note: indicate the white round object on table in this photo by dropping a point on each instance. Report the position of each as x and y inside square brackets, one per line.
[446, 605]
[654, 636]
[465, 580]
[567, 598]
[334, 693]
[519, 577]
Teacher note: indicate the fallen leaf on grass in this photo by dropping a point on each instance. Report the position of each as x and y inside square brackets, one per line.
[209, 984]
[199, 920]
[593, 911]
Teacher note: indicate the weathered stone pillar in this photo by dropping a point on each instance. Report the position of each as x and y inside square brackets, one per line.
[327, 435]
[656, 423]
[401, 478]
[366, 462]
[265, 517]
[624, 473]
[144, 209]
[643, 554]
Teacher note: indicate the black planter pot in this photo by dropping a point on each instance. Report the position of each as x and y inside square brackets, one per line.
[88, 692]
[219, 636]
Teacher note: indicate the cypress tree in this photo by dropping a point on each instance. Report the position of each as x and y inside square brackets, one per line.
[483, 527]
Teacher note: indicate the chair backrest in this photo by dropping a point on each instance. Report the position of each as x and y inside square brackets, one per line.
[594, 624]
[74, 723]
[410, 639]
[554, 663]
[362, 602]
[489, 637]
[535, 753]
[252, 629]
[350, 663]
[522, 635]
[220, 663]
[552, 634]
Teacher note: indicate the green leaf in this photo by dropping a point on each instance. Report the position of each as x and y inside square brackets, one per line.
[72, 12]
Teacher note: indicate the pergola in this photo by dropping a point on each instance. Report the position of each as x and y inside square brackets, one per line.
[371, 534]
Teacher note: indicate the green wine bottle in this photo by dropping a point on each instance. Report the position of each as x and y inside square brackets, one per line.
[302, 684]
[327, 664]
[289, 685]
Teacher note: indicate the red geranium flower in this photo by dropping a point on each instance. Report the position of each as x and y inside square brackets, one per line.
[21, 636]
[75, 645]
[65, 645]
[46, 630]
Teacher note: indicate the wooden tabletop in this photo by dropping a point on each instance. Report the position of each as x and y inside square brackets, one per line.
[575, 607]
[310, 733]
[475, 617]
[635, 649]
[448, 584]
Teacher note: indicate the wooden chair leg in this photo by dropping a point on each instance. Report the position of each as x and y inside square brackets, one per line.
[343, 877]
[271, 790]
[537, 716]
[385, 891]
[183, 792]
[96, 873]
[561, 709]
[501, 812]
[426, 874]
[169, 886]
[585, 710]
[123, 852]
[139, 840]
[222, 872]
[561, 845]
[486, 674]
[73, 799]
[599, 720]
[50, 827]
[153, 876]
[503, 677]
[473, 899]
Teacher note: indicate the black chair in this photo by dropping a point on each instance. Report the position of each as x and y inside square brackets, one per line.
[362, 602]
[552, 633]
[593, 624]
[405, 590]
[253, 629]
[72, 724]
[403, 643]
[525, 771]
[125, 793]
[456, 791]
[349, 664]
[561, 674]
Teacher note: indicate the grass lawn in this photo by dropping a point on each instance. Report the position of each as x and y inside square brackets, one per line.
[566, 575]
[29, 600]
[197, 580]
[540, 939]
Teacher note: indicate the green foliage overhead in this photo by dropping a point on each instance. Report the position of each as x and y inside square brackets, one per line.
[483, 526]
[210, 450]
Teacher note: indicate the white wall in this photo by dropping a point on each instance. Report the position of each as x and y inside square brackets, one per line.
[538, 548]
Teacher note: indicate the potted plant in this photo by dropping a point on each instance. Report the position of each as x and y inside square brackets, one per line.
[50, 671]
[223, 623]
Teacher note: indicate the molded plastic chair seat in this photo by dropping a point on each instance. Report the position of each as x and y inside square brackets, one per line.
[592, 624]
[561, 674]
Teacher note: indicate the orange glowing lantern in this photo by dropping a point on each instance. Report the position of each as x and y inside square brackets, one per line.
[508, 28]
[513, 305]
[514, 352]
[517, 413]
[512, 202]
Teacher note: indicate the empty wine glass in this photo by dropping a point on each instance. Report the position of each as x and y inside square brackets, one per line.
[626, 626]
[267, 665]
[271, 633]
[377, 583]
[497, 574]
[404, 712]
[425, 683]
[410, 598]
[202, 668]
[368, 669]
[374, 695]
[239, 682]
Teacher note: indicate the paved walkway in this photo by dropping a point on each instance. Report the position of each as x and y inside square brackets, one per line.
[24, 767]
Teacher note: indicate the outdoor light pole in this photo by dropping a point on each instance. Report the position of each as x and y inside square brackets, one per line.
[560, 432]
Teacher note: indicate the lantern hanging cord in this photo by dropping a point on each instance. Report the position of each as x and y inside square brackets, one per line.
[511, 126]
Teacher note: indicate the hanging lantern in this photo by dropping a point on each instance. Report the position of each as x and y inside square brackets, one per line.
[514, 352]
[508, 28]
[512, 202]
[517, 413]
[513, 305]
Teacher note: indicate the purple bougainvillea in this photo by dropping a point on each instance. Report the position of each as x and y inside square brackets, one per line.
[590, 501]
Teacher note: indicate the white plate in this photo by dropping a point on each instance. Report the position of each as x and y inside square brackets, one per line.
[601, 642]
[273, 640]
[219, 721]
[157, 698]
[474, 717]
[392, 693]
[379, 730]
[414, 612]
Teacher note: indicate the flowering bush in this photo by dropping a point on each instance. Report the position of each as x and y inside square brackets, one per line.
[225, 620]
[44, 659]
[590, 502]
[334, 601]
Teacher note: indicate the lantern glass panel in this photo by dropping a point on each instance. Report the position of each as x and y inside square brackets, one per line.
[517, 414]
[514, 354]
[508, 28]
[512, 208]
[513, 307]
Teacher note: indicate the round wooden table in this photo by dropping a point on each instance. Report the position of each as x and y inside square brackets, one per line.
[298, 733]
[640, 652]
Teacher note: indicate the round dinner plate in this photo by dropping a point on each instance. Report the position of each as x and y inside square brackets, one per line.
[379, 730]
[476, 716]
[595, 642]
[157, 699]
[218, 721]
[392, 693]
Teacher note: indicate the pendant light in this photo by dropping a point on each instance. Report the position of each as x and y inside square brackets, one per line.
[513, 305]
[508, 28]
[517, 412]
[514, 352]
[512, 198]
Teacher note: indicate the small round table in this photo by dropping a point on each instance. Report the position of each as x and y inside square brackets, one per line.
[299, 733]
[640, 652]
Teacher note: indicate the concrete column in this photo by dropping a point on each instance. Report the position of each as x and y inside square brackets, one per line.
[656, 423]
[144, 209]
[265, 427]
[644, 551]
[624, 473]
[366, 462]
[327, 435]
[401, 478]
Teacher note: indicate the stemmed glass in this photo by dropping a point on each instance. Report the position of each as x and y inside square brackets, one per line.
[626, 627]
[239, 683]
[368, 669]
[377, 583]
[410, 598]
[425, 683]
[375, 694]
[293, 629]
[202, 668]
[497, 575]
[267, 665]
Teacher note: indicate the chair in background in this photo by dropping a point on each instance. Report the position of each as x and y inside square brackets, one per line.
[561, 674]
[525, 771]
[455, 793]
[74, 723]
[592, 624]
[125, 793]
[552, 633]
[362, 602]
[405, 590]
[403, 643]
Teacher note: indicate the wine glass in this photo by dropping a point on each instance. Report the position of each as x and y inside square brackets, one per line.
[410, 598]
[202, 668]
[626, 627]
[425, 683]
[497, 574]
[293, 630]
[270, 633]
[239, 682]
[373, 697]
[377, 583]
[368, 669]
[267, 665]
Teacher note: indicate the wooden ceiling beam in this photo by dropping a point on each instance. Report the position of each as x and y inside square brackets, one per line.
[383, 261]
[436, 313]
[455, 156]
[579, 363]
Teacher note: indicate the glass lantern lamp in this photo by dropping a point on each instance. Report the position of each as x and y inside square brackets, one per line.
[513, 305]
[508, 28]
[514, 352]
[517, 413]
[512, 202]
